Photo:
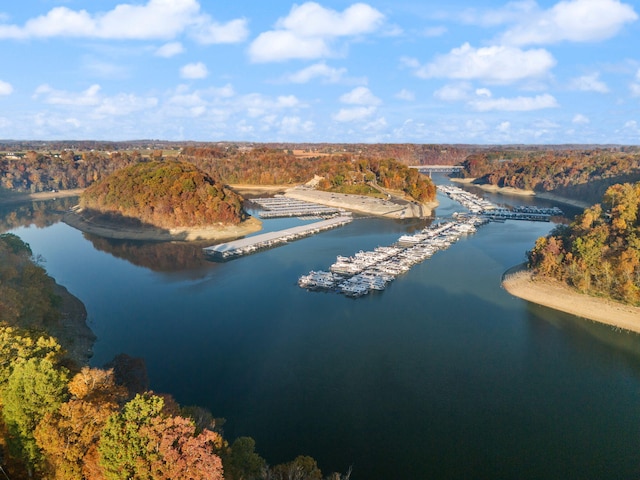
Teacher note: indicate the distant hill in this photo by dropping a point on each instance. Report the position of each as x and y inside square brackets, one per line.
[165, 194]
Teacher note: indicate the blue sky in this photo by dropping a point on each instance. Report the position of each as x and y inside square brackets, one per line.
[389, 71]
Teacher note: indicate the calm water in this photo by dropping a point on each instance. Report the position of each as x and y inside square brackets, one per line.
[443, 375]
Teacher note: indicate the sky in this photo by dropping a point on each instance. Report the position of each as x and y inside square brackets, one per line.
[383, 71]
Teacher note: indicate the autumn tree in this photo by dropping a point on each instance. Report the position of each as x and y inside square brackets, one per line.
[69, 436]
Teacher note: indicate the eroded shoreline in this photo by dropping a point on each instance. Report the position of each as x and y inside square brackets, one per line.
[559, 296]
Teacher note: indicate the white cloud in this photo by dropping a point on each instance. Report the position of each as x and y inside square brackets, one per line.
[360, 96]
[405, 94]
[234, 31]
[453, 92]
[194, 71]
[101, 105]
[354, 114]
[517, 104]
[318, 70]
[504, 127]
[5, 88]
[157, 19]
[589, 83]
[483, 92]
[572, 20]
[170, 49]
[580, 119]
[295, 125]
[497, 64]
[309, 29]
[312, 20]
[89, 97]
[635, 89]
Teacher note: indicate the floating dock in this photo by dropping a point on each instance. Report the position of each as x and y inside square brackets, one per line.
[282, 207]
[245, 246]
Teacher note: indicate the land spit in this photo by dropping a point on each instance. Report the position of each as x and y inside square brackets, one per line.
[559, 296]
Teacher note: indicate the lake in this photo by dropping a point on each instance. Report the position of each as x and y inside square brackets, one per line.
[443, 375]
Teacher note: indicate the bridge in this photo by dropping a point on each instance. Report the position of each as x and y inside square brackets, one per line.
[429, 169]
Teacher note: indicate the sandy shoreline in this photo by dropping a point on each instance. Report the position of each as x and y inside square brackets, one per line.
[557, 295]
[523, 192]
[216, 233]
[14, 198]
[362, 203]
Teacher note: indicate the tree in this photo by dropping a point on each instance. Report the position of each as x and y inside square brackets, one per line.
[243, 463]
[34, 388]
[69, 436]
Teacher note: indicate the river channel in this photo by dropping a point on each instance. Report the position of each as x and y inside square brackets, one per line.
[443, 375]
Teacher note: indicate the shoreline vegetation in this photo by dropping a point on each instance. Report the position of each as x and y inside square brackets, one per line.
[522, 283]
[519, 191]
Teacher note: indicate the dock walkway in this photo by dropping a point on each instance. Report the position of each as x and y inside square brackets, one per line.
[245, 246]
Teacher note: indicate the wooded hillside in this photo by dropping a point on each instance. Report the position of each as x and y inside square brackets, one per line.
[165, 194]
[599, 253]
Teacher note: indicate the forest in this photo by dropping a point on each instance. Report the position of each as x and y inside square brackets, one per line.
[66, 421]
[584, 174]
[165, 194]
[355, 171]
[599, 252]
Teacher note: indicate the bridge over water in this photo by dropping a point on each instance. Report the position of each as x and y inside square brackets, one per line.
[429, 169]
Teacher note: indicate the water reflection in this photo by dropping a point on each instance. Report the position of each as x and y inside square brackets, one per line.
[41, 214]
[164, 257]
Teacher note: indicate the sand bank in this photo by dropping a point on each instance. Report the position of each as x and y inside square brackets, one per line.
[215, 233]
[559, 296]
[363, 204]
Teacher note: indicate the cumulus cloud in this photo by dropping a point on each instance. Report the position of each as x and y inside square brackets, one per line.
[580, 119]
[572, 20]
[157, 19]
[318, 70]
[211, 32]
[360, 96]
[635, 86]
[497, 64]
[517, 104]
[194, 71]
[510, 13]
[589, 83]
[89, 97]
[5, 88]
[309, 30]
[170, 49]
[354, 114]
[101, 105]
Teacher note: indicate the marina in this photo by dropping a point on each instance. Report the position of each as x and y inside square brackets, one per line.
[365, 271]
[245, 246]
[283, 207]
[480, 206]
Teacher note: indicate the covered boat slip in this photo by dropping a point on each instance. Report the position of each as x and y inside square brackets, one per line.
[252, 244]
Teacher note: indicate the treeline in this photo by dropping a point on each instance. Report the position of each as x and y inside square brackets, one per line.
[40, 172]
[553, 170]
[165, 194]
[264, 166]
[65, 421]
[599, 253]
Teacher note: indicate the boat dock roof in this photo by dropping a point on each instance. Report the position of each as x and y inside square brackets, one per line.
[266, 240]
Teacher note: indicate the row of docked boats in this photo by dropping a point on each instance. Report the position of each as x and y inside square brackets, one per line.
[480, 206]
[365, 271]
